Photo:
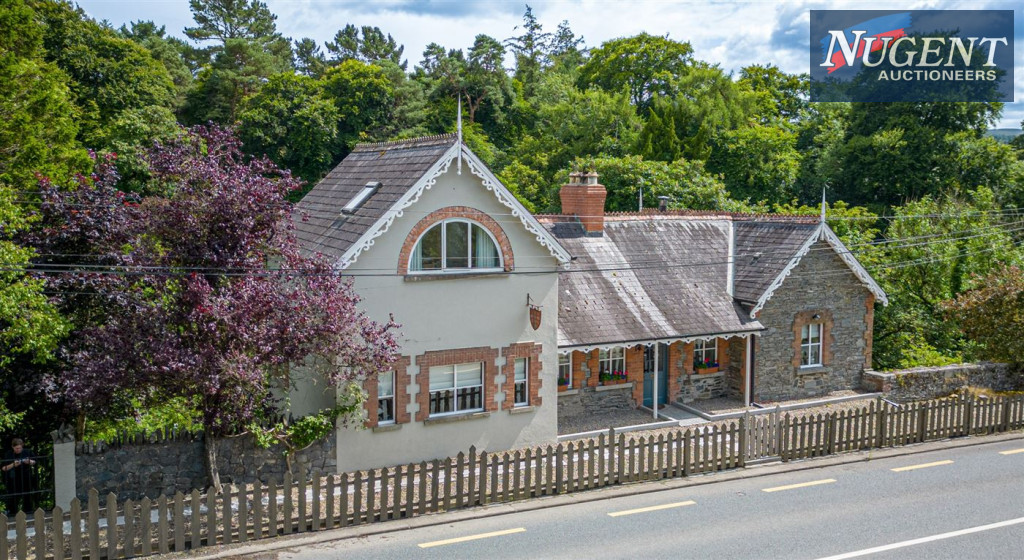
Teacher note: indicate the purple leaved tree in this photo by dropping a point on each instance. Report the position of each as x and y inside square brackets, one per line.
[207, 294]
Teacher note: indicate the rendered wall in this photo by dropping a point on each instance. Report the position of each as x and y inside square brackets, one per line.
[448, 313]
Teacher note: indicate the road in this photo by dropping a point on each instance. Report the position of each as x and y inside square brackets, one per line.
[952, 503]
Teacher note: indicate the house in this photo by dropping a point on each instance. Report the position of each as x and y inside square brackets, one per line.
[654, 306]
[675, 305]
[430, 236]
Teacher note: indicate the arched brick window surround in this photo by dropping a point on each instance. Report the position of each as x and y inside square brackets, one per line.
[449, 212]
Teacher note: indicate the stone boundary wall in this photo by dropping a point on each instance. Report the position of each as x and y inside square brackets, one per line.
[166, 465]
[922, 383]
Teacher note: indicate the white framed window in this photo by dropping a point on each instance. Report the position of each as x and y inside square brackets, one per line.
[522, 395]
[810, 345]
[565, 369]
[612, 361]
[386, 398]
[457, 388]
[455, 244]
[705, 354]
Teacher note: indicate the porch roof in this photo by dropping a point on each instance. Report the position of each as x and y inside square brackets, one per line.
[647, 280]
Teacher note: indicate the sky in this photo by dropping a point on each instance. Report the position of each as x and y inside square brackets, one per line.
[731, 34]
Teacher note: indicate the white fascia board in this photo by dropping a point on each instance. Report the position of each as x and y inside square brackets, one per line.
[506, 197]
[428, 180]
[586, 348]
[819, 233]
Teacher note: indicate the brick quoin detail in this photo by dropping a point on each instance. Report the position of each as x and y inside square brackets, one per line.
[402, 380]
[676, 353]
[528, 350]
[465, 212]
[434, 358]
[806, 318]
[578, 376]
[635, 372]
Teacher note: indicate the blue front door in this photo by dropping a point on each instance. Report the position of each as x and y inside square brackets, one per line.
[655, 359]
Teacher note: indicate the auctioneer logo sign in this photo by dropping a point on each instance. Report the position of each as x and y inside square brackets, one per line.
[916, 55]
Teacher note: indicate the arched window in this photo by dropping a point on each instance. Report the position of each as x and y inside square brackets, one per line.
[455, 244]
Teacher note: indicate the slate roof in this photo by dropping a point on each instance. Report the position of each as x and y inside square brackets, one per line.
[763, 248]
[319, 225]
[656, 276]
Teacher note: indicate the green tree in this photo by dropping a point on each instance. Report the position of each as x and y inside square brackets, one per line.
[37, 135]
[221, 20]
[568, 124]
[658, 141]
[247, 50]
[935, 249]
[785, 94]
[990, 314]
[292, 123]
[366, 44]
[894, 152]
[108, 74]
[709, 102]
[646, 65]
[757, 162]
[363, 94]
[239, 70]
[567, 50]
[169, 51]
[309, 60]
[532, 51]
[685, 183]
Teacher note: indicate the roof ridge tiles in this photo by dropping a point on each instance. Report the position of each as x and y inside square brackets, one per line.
[683, 213]
[432, 140]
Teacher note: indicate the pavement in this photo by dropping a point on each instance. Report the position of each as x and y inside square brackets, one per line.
[266, 548]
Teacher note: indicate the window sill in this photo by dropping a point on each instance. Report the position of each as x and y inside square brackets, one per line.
[522, 409]
[808, 370]
[568, 392]
[601, 388]
[428, 276]
[455, 418]
[386, 428]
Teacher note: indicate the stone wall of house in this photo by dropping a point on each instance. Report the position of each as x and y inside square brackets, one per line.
[167, 465]
[736, 355]
[931, 382]
[821, 285]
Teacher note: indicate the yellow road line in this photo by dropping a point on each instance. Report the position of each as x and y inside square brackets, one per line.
[652, 508]
[1012, 451]
[472, 537]
[922, 466]
[801, 485]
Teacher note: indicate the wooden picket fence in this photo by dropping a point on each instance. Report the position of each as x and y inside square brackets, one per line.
[108, 528]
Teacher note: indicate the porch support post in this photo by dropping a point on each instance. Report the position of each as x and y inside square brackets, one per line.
[747, 397]
[654, 390]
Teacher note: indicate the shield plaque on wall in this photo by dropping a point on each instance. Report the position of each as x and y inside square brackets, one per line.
[534, 317]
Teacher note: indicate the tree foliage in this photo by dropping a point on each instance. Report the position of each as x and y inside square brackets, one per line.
[214, 299]
[293, 123]
[990, 314]
[645, 65]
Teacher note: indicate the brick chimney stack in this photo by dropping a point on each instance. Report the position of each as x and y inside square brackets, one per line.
[584, 198]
